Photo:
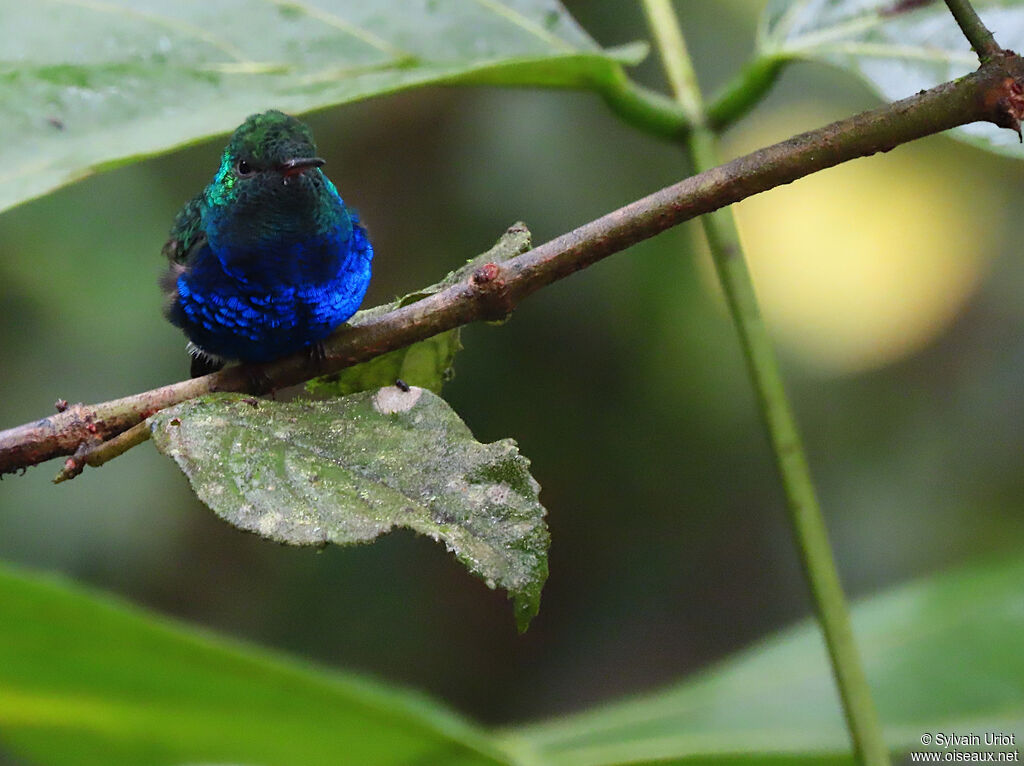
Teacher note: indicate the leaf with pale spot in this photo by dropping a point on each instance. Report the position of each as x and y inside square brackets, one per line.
[350, 469]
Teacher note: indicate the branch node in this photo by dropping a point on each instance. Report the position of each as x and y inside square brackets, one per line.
[489, 287]
[1006, 105]
[75, 464]
[486, 273]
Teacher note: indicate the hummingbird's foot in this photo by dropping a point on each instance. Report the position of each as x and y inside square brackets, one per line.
[317, 355]
[257, 381]
[204, 365]
[203, 362]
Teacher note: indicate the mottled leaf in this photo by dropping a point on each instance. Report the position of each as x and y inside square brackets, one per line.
[347, 470]
[897, 47]
[941, 655]
[89, 680]
[89, 84]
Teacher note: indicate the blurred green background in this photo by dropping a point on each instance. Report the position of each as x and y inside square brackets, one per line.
[893, 285]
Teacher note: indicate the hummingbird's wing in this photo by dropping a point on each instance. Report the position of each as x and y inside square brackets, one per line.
[183, 245]
[187, 234]
[186, 240]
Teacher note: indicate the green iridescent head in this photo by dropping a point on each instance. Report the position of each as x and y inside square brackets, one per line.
[270, 181]
[268, 143]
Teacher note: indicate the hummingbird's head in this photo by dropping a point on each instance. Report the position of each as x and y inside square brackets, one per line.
[270, 182]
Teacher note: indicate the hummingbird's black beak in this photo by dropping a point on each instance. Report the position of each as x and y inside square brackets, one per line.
[297, 165]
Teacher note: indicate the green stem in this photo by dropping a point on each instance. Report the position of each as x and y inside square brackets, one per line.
[805, 513]
[742, 93]
[668, 37]
[644, 108]
[790, 460]
[655, 114]
[974, 29]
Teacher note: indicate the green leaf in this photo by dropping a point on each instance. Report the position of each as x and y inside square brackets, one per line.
[898, 48]
[89, 681]
[942, 655]
[88, 85]
[427, 364]
[348, 470]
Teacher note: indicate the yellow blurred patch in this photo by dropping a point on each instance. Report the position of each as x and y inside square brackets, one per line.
[861, 265]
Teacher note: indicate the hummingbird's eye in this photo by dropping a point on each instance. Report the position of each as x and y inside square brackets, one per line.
[244, 168]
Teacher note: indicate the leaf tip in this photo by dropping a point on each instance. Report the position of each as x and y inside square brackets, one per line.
[525, 606]
[629, 54]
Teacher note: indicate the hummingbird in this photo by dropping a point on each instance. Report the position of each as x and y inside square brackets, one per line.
[266, 260]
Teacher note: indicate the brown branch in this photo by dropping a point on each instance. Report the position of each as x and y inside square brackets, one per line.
[991, 94]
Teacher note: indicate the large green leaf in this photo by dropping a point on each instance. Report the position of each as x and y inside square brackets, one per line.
[350, 469]
[87, 84]
[897, 47]
[89, 681]
[86, 680]
[942, 656]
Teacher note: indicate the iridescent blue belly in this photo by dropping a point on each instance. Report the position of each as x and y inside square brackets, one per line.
[266, 305]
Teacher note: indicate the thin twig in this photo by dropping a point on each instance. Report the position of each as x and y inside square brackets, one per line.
[985, 95]
[974, 29]
[99, 454]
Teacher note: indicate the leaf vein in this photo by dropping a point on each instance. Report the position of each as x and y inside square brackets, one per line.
[336, 21]
[184, 27]
[513, 16]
